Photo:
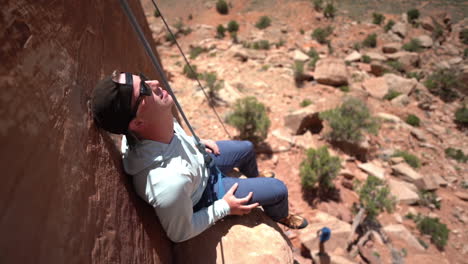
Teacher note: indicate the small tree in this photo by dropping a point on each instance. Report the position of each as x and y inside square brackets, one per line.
[314, 57]
[461, 115]
[329, 11]
[222, 7]
[413, 120]
[318, 170]
[321, 34]
[250, 118]
[263, 22]
[377, 18]
[370, 41]
[366, 59]
[413, 14]
[298, 69]
[213, 86]
[220, 31]
[456, 154]
[444, 83]
[349, 121]
[389, 25]
[375, 197]
[233, 26]
[318, 5]
[189, 73]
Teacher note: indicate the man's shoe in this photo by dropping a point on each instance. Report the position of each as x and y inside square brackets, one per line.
[294, 221]
[266, 174]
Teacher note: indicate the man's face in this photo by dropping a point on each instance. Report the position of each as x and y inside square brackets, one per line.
[150, 107]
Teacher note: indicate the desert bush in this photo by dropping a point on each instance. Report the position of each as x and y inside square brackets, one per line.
[370, 41]
[464, 36]
[321, 34]
[375, 197]
[263, 22]
[222, 7]
[261, 44]
[389, 25]
[444, 83]
[438, 231]
[156, 13]
[318, 170]
[305, 102]
[396, 65]
[456, 154]
[234, 37]
[220, 31]
[461, 115]
[429, 199]
[409, 158]
[196, 50]
[416, 75]
[391, 94]
[301, 31]
[366, 59]
[233, 26]
[465, 53]
[357, 46]
[349, 121]
[189, 73]
[213, 85]
[413, 120]
[344, 88]
[413, 46]
[250, 118]
[298, 69]
[318, 5]
[330, 10]
[413, 14]
[314, 57]
[171, 38]
[378, 18]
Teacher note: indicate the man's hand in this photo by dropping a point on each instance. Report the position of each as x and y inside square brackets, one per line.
[237, 204]
[211, 146]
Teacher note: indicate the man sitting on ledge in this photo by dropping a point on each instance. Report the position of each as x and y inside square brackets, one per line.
[169, 171]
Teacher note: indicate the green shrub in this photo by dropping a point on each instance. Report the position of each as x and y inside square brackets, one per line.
[366, 59]
[413, 14]
[314, 57]
[413, 46]
[298, 70]
[396, 65]
[321, 34]
[416, 75]
[461, 115]
[195, 51]
[429, 199]
[413, 120]
[370, 41]
[280, 43]
[171, 38]
[305, 102]
[438, 31]
[456, 154]
[409, 158]
[330, 10]
[344, 88]
[357, 46]
[222, 7]
[318, 5]
[438, 231]
[464, 36]
[156, 13]
[318, 170]
[377, 18]
[301, 31]
[261, 44]
[391, 94]
[233, 26]
[349, 121]
[374, 197]
[250, 118]
[263, 22]
[213, 85]
[389, 25]
[189, 73]
[444, 83]
[234, 37]
[220, 31]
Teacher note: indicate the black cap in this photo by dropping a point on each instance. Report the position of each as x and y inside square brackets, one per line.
[112, 105]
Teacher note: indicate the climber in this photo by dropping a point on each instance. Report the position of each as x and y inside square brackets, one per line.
[168, 170]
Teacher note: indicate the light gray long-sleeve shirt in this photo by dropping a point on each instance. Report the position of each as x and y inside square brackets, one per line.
[172, 177]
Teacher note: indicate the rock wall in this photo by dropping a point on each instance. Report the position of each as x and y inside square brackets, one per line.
[63, 198]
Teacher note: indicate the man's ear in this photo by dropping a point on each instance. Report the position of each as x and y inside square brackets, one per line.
[136, 124]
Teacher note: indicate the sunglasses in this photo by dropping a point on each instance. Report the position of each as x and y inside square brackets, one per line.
[145, 90]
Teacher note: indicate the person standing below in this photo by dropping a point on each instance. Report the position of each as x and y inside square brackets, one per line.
[169, 171]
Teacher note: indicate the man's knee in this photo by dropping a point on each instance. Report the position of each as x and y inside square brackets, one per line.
[247, 146]
[280, 189]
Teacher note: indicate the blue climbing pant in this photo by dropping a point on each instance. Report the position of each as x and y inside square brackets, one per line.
[270, 193]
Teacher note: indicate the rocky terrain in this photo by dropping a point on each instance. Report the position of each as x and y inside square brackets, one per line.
[345, 67]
